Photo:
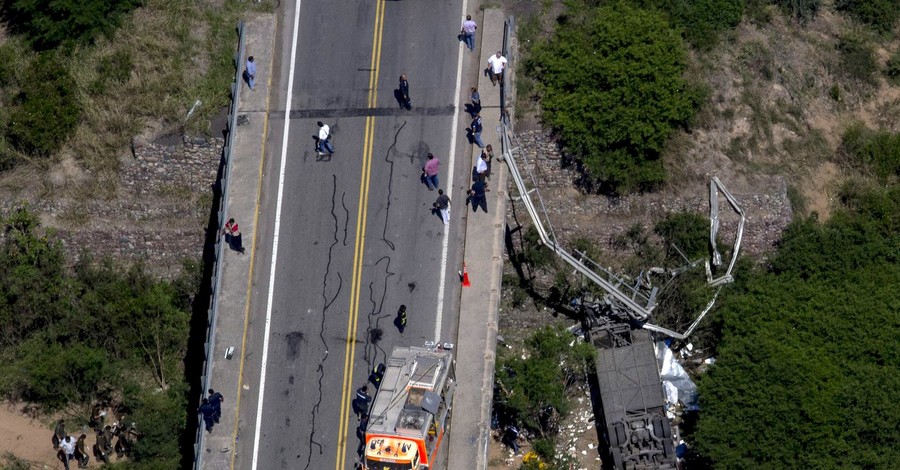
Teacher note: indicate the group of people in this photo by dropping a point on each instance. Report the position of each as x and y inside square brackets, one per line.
[71, 450]
[211, 409]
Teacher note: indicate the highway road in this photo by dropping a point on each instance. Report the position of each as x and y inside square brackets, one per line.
[346, 239]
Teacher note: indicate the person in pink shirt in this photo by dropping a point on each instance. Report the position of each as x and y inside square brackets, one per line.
[430, 172]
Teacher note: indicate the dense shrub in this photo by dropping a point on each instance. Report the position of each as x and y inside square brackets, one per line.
[881, 15]
[801, 10]
[892, 68]
[689, 231]
[857, 59]
[529, 389]
[48, 24]
[46, 110]
[877, 151]
[806, 374]
[612, 88]
[701, 20]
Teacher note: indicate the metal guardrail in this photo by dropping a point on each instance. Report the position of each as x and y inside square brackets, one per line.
[209, 347]
[612, 284]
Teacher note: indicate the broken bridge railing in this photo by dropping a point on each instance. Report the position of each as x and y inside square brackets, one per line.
[633, 302]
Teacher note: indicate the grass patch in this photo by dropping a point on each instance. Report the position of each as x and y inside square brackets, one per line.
[167, 55]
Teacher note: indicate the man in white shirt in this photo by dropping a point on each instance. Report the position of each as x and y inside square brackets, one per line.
[323, 143]
[468, 32]
[481, 167]
[497, 65]
[67, 446]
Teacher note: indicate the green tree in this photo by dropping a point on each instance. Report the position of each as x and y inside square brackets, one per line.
[51, 23]
[881, 15]
[59, 377]
[806, 375]
[161, 417]
[530, 390]
[701, 21]
[612, 88]
[688, 231]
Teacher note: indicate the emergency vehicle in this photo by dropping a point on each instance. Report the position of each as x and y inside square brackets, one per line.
[411, 410]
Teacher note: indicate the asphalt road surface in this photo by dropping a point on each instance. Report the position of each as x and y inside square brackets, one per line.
[355, 234]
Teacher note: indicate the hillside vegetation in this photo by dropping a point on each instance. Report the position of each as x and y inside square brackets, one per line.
[802, 93]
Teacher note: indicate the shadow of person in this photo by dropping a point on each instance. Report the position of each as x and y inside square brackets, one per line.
[470, 136]
[472, 110]
[399, 97]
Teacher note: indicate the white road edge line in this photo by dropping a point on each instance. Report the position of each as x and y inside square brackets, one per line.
[453, 130]
[284, 147]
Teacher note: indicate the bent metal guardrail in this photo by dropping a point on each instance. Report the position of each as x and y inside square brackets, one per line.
[640, 312]
[209, 347]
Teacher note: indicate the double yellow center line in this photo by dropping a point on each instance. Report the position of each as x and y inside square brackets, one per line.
[353, 314]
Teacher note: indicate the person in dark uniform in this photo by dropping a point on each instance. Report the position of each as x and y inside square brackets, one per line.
[59, 433]
[477, 196]
[511, 438]
[208, 413]
[216, 399]
[100, 452]
[361, 402]
[81, 454]
[400, 321]
[377, 374]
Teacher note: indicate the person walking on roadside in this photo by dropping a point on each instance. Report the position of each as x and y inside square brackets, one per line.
[476, 129]
[216, 399]
[476, 103]
[250, 72]
[233, 236]
[511, 438]
[477, 196]
[481, 167]
[208, 413]
[323, 141]
[442, 205]
[430, 172]
[59, 433]
[361, 402]
[468, 31]
[405, 100]
[81, 454]
[497, 64]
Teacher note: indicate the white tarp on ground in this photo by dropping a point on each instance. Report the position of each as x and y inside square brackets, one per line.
[677, 386]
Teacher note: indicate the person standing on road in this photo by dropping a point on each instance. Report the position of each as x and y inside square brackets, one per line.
[477, 196]
[497, 64]
[442, 205]
[476, 129]
[377, 374]
[250, 72]
[216, 399]
[405, 100]
[468, 31]
[361, 402]
[400, 321]
[430, 172]
[323, 141]
[208, 413]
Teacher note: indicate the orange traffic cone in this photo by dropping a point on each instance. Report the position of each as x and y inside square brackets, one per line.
[465, 276]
